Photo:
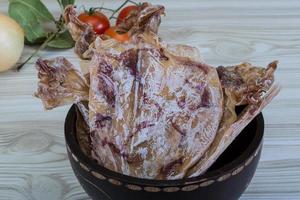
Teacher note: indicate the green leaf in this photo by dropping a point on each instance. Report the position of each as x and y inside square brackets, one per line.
[36, 7]
[62, 41]
[67, 2]
[35, 34]
[15, 11]
[29, 22]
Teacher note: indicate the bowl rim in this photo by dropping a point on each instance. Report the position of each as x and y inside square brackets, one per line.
[211, 175]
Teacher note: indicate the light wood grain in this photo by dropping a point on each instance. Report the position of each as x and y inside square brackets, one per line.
[33, 161]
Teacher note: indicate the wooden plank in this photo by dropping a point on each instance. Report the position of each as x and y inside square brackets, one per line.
[33, 161]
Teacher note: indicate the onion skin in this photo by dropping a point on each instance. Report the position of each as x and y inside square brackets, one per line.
[11, 42]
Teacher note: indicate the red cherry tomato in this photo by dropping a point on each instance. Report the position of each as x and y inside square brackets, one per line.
[124, 13]
[97, 20]
[122, 37]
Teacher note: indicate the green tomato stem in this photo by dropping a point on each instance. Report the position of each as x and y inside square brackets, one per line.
[108, 9]
[137, 4]
[115, 11]
[93, 9]
[102, 8]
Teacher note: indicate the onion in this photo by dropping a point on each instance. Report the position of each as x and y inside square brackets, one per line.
[11, 42]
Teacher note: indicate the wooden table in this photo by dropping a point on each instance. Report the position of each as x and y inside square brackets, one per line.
[33, 160]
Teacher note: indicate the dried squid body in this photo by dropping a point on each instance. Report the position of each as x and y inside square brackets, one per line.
[153, 114]
[155, 110]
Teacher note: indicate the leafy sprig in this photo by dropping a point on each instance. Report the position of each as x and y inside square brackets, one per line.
[32, 15]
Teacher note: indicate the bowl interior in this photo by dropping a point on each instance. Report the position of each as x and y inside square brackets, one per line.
[240, 150]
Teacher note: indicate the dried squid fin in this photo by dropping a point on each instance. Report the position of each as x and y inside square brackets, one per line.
[60, 83]
[225, 136]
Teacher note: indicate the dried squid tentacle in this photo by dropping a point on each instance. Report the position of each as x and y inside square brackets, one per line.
[75, 26]
[146, 18]
[81, 33]
[245, 82]
[242, 85]
[60, 83]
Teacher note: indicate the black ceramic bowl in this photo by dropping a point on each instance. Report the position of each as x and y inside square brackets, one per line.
[226, 179]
